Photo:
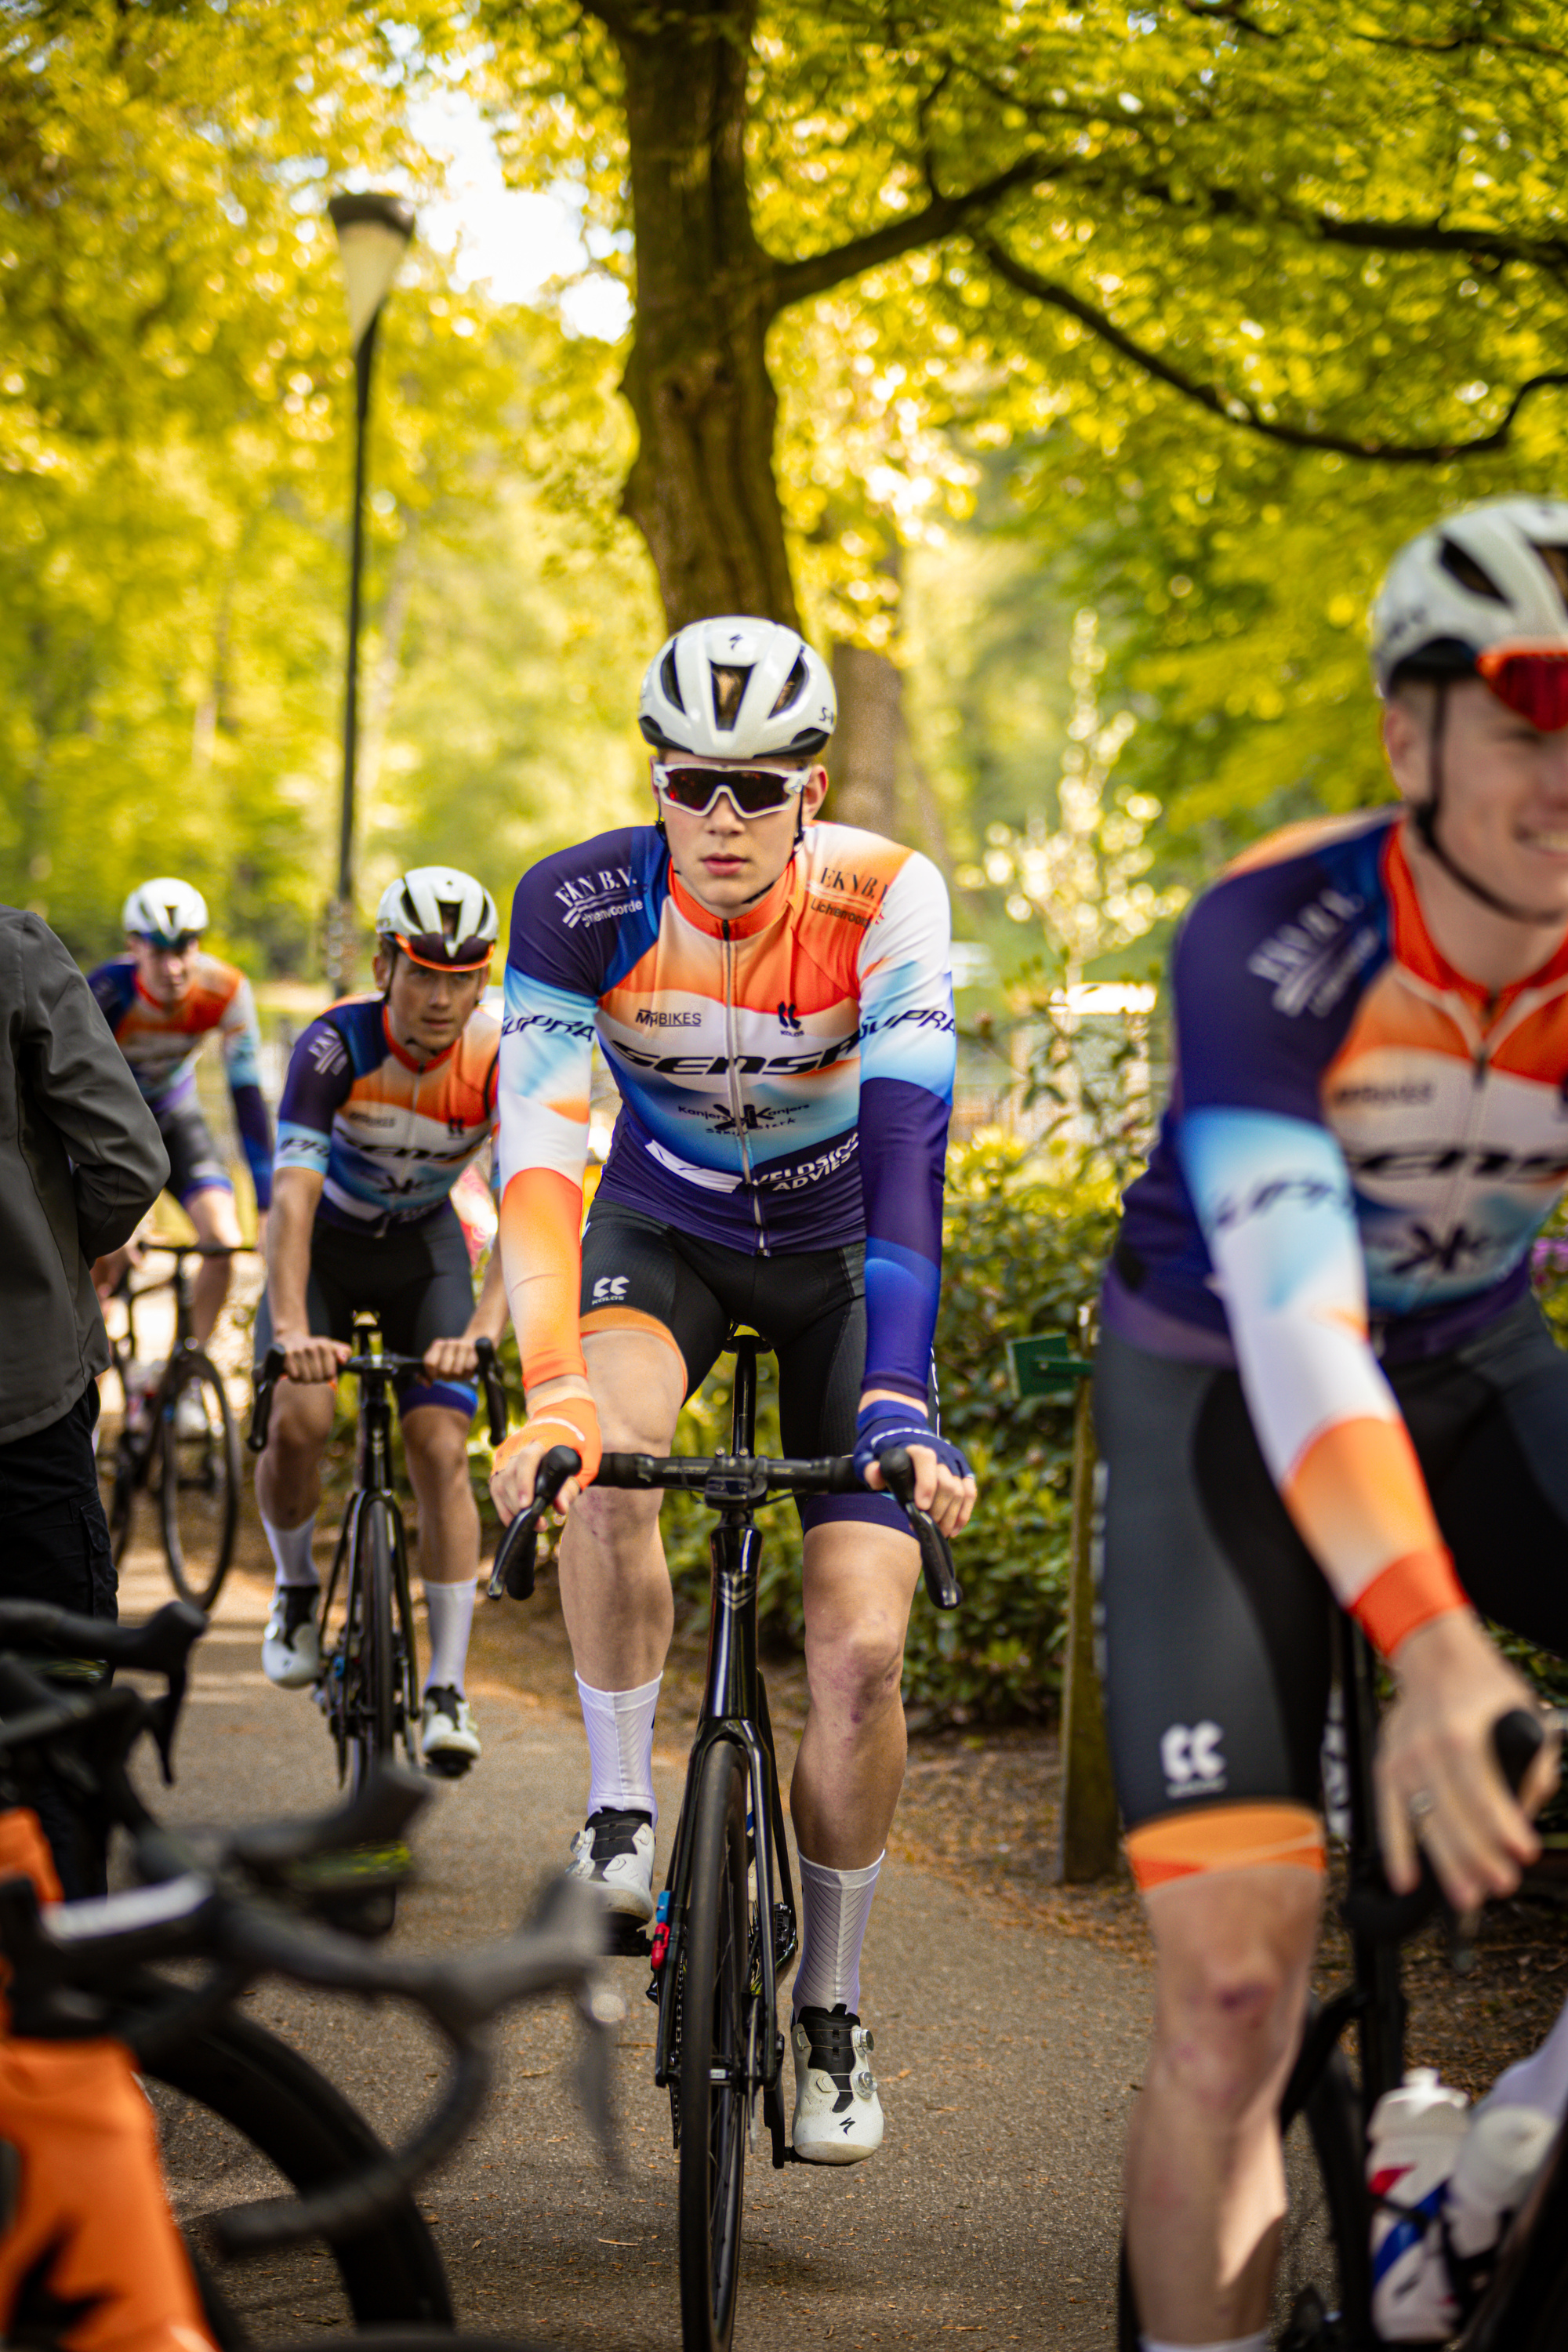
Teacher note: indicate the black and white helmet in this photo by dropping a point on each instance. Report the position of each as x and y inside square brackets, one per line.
[439, 916]
[167, 912]
[1496, 575]
[737, 689]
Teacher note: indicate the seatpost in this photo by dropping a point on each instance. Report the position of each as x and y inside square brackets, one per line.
[744, 1420]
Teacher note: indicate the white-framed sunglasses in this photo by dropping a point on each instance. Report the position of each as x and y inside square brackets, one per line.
[755, 791]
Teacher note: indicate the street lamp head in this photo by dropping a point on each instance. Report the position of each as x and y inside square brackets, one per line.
[373, 232]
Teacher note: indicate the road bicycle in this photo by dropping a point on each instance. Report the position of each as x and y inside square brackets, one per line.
[175, 1439]
[1322, 2295]
[230, 1908]
[725, 1927]
[369, 1683]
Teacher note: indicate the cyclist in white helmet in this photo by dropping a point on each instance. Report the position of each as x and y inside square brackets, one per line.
[388, 1098]
[772, 996]
[163, 998]
[1321, 1373]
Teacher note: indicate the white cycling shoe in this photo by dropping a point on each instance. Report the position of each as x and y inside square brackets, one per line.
[614, 1855]
[837, 2114]
[448, 1740]
[291, 1646]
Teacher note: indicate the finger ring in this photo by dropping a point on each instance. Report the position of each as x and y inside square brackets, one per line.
[1421, 1804]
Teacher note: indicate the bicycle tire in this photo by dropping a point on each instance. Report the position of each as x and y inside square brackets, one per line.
[199, 1498]
[112, 1450]
[715, 1997]
[1322, 2284]
[373, 1717]
[390, 2273]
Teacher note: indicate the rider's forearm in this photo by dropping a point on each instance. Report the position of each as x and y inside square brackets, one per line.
[488, 1320]
[290, 1227]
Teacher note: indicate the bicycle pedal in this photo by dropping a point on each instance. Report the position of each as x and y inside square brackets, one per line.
[627, 1940]
[446, 1765]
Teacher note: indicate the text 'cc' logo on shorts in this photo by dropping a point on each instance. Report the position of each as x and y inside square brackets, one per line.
[1191, 1760]
[610, 1288]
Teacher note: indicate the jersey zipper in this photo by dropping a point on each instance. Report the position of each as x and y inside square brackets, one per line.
[1480, 1071]
[737, 1101]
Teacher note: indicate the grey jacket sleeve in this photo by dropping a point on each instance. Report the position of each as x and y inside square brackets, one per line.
[81, 1082]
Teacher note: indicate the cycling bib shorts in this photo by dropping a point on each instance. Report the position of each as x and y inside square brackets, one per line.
[415, 1281]
[809, 1306]
[195, 1164]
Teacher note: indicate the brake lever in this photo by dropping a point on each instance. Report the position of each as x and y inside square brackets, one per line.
[261, 1403]
[495, 1390]
[512, 1577]
[936, 1557]
[1374, 1910]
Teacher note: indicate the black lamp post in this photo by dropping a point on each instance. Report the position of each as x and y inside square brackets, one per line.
[373, 233]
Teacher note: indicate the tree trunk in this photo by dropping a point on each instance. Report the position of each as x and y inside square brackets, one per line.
[701, 489]
[864, 760]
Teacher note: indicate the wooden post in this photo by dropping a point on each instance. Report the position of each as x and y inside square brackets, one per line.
[1086, 1845]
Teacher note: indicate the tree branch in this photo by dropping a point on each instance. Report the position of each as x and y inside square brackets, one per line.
[1228, 12]
[1230, 408]
[795, 281]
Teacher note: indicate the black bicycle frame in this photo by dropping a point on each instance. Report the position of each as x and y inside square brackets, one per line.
[373, 1478]
[735, 1710]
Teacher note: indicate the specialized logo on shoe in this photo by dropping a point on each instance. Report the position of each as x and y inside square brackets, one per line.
[1191, 1760]
[610, 1289]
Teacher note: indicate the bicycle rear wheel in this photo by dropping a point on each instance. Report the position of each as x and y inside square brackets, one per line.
[200, 1488]
[1322, 2284]
[715, 2004]
[242, 2116]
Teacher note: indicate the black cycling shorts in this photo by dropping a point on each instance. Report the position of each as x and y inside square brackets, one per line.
[808, 1305]
[1216, 1619]
[195, 1164]
[418, 1283]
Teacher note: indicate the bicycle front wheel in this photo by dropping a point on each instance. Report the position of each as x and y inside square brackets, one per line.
[371, 1694]
[199, 1489]
[111, 1447]
[715, 2004]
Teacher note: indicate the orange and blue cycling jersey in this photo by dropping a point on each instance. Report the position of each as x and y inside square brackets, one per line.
[161, 1042]
[785, 1077]
[1360, 1147]
[390, 1134]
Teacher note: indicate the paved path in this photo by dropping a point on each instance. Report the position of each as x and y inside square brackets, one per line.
[1006, 2056]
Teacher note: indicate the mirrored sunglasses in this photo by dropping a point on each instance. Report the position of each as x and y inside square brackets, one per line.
[437, 952]
[1531, 680]
[180, 944]
[755, 792]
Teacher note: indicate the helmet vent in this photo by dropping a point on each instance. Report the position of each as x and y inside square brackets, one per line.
[728, 691]
[1463, 567]
[1556, 561]
[669, 681]
[793, 687]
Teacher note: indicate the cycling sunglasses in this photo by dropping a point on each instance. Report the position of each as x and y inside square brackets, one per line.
[1530, 680]
[180, 944]
[755, 792]
[437, 952]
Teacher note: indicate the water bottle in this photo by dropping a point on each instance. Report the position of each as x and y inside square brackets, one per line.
[1504, 2149]
[1416, 2136]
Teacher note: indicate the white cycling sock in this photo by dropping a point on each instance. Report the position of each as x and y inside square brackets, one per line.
[291, 1548]
[834, 1905]
[451, 1611]
[619, 1725]
[1540, 2081]
[1259, 2343]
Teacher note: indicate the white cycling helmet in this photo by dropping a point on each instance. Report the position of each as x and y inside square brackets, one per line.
[166, 912]
[786, 699]
[1496, 575]
[440, 917]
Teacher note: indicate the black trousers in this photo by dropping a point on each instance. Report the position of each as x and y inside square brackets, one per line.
[55, 1547]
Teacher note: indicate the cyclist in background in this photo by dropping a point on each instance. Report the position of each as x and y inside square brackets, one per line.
[388, 1098]
[774, 998]
[1322, 1372]
[161, 998]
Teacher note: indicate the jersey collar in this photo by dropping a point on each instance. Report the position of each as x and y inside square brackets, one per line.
[749, 920]
[400, 1053]
[1415, 947]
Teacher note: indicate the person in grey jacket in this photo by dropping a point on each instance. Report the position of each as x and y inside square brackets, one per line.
[81, 1161]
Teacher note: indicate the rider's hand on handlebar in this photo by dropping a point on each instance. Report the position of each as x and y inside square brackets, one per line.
[565, 1420]
[306, 1358]
[944, 1484]
[1437, 1749]
[451, 1360]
